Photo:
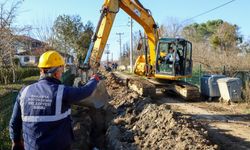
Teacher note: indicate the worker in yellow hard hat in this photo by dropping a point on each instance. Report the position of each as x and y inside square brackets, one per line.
[42, 110]
[51, 64]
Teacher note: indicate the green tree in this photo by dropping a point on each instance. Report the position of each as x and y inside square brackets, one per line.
[71, 35]
[201, 32]
[217, 33]
[85, 39]
[226, 37]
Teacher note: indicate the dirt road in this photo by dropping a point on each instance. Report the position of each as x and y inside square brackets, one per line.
[227, 125]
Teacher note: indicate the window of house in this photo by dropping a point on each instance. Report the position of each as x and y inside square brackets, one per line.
[36, 44]
[26, 59]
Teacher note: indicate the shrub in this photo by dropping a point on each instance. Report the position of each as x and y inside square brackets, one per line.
[6, 74]
[26, 72]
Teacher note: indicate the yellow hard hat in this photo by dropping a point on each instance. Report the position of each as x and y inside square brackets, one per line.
[50, 59]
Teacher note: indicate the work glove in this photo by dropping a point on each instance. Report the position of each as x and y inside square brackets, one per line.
[96, 77]
[17, 146]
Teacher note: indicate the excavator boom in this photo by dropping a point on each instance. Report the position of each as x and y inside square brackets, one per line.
[108, 13]
[150, 64]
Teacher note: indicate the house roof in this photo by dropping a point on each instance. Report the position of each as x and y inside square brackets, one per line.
[36, 51]
[24, 38]
[29, 49]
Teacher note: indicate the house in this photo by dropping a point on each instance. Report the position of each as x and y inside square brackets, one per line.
[28, 51]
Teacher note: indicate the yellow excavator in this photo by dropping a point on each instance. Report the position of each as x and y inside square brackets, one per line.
[153, 65]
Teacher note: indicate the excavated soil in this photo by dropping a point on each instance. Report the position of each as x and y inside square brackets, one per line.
[131, 122]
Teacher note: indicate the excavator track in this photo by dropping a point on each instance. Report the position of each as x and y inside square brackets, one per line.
[186, 90]
[138, 84]
[147, 87]
[142, 87]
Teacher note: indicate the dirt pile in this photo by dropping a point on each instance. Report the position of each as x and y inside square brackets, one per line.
[140, 124]
[133, 122]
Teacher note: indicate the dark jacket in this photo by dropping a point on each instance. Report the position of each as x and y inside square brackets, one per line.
[42, 113]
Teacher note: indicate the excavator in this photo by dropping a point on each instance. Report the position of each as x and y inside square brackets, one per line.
[151, 69]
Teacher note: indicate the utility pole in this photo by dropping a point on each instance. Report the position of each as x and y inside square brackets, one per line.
[107, 52]
[131, 45]
[120, 42]
[112, 57]
[124, 50]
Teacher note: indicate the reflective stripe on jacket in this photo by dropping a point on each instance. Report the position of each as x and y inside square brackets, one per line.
[42, 113]
[43, 102]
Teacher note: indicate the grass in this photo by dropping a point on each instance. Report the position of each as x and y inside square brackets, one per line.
[6, 105]
[30, 80]
[5, 89]
[8, 94]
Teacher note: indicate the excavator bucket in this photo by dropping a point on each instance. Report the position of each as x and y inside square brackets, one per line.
[98, 98]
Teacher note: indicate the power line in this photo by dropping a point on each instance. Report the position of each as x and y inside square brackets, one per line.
[208, 11]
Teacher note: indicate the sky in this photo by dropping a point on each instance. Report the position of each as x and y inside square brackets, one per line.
[39, 12]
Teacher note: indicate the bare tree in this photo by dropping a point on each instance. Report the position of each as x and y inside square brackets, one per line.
[162, 31]
[172, 28]
[43, 31]
[245, 46]
[7, 38]
[213, 61]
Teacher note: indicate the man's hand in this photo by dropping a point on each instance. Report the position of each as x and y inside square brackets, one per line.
[17, 145]
[96, 77]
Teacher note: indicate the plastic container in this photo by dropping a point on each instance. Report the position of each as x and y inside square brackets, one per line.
[209, 86]
[230, 89]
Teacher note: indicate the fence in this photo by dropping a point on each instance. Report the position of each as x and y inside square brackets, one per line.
[199, 71]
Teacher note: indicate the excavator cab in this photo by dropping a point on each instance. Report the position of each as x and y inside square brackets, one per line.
[173, 58]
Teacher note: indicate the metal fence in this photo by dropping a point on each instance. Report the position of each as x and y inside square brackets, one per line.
[199, 71]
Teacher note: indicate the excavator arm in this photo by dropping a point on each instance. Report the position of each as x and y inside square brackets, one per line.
[145, 64]
[109, 10]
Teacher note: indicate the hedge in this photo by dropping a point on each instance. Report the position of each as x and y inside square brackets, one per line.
[21, 73]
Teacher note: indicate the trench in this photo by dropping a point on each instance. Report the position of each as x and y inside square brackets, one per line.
[131, 122]
[90, 126]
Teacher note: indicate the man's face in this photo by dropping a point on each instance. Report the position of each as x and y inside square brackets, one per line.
[59, 72]
[171, 50]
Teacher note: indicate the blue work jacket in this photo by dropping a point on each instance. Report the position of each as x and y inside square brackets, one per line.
[42, 113]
